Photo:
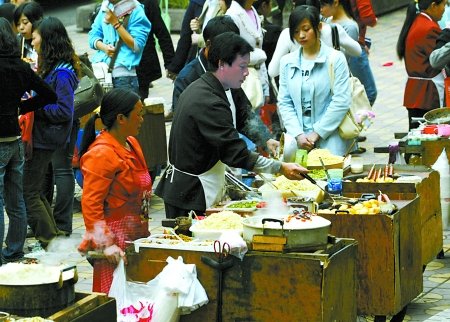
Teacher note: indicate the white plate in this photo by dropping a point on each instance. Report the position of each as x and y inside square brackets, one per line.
[229, 206]
[195, 245]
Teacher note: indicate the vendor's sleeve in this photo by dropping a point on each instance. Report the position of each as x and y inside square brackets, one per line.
[265, 165]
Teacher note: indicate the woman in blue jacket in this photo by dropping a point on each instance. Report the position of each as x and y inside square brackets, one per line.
[310, 106]
[59, 66]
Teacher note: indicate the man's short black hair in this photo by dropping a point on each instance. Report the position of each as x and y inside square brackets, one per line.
[218, 25]
[225, 47]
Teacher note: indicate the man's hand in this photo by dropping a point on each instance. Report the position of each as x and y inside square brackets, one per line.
[273, 145]
[292, 171]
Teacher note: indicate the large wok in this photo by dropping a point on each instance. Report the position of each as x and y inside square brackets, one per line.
[297, 238]
[438, 116]
[42, 293]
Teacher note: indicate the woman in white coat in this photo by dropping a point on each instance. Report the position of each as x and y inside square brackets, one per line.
[250, 28]
[310, 106]
[285, 45]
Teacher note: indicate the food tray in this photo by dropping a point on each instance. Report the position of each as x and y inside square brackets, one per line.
[230, 205]
[154, 242]
[337, 165]
[210, 234]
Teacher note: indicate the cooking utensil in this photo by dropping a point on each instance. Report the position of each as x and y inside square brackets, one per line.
[307, 177]
[297, 238]
[350, 147]
[269, 182]
[223, 263]
[438, 116]
[325, 169]
[236, 182]
[44, 297]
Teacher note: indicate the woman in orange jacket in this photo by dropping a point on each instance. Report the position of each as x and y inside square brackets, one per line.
[116, 186]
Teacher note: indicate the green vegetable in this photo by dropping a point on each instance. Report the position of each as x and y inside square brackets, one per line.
[317, 174]
[243, 204]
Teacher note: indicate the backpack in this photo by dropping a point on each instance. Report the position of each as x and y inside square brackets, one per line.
[360, 110]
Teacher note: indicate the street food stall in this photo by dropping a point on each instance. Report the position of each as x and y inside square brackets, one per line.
[266, 286]
[409, 179]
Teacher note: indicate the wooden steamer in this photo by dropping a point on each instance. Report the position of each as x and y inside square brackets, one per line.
[265, 286]
[389, 269]
[430, 211]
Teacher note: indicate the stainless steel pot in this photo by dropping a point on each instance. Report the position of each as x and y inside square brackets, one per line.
[41, 299]
[297, 239]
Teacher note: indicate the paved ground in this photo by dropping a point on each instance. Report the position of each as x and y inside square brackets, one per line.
[434, 303]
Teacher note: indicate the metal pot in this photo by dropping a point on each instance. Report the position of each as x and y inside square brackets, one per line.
[438, 116]
[41, 299]
[297, 239]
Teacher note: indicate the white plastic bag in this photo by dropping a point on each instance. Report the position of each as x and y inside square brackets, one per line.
[140, 302]
[237, 244]
[180, 278]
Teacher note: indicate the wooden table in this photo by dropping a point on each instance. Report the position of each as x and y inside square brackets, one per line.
[428, 150]
[389, 270]
[265, 286]
[430, 211]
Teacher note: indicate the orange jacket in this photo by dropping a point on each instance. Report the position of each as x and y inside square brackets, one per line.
[115, 181]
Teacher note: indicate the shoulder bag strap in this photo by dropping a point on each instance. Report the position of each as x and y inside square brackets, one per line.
[335, 37]
[119, 44]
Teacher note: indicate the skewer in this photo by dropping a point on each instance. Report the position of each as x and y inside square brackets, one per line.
[23, 47]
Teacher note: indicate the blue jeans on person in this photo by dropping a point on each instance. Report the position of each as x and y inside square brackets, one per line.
[360, 68]
[127, 82]
[11, 196]
[65, 182]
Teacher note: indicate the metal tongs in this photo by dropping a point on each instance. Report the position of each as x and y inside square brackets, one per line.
[236, 182]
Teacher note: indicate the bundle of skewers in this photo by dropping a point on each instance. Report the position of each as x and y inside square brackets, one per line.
[383, 174]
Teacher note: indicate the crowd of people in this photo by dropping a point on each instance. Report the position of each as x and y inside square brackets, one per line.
[231, 62]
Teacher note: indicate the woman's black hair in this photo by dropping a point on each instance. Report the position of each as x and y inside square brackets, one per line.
[8, 40]
[225, 47]
[299, 14]
[32, 10]
[7, 11]
[116, 101]
[345, 4]
[56, 46]
[411, 14]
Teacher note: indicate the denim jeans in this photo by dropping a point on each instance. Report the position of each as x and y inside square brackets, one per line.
[11, 196]
[39, 212]
[127, 82]
[65, 182]
[360, 68]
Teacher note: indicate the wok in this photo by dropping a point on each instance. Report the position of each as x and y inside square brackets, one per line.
[438, 116]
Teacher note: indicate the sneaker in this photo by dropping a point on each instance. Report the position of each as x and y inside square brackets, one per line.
[359, 150]
[362, 138]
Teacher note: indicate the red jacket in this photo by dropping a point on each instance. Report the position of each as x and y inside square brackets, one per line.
[365, 16]
[420, 42]
[114, 182]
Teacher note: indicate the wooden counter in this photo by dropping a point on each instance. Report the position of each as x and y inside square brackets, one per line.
[318, 286]
[430, 211]
[428, 150]
[389, 270]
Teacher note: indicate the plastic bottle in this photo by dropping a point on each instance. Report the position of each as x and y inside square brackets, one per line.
[442, 166]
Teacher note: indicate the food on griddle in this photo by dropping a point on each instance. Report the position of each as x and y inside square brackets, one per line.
[327, 157]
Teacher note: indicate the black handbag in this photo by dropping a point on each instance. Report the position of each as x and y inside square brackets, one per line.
[89, 93]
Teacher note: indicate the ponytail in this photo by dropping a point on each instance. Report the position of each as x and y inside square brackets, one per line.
[88, 135]
[411, 15]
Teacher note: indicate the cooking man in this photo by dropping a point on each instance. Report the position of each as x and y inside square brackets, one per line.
[203, 138]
